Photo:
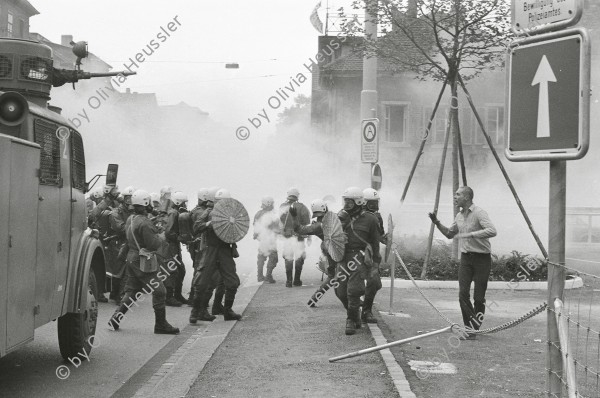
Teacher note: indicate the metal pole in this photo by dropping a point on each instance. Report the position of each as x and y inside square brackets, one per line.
[556, 274]
[388, 345]
[368, 95]
[392, 277]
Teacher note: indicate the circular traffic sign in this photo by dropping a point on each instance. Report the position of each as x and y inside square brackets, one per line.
[369, 131]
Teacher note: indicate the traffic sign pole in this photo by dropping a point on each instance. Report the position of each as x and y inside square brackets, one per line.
[556, 274]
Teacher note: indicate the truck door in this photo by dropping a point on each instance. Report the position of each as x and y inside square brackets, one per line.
[49, 227]
[18, 261]
[64, 244]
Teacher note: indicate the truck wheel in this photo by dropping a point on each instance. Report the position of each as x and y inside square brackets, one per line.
[76, 331]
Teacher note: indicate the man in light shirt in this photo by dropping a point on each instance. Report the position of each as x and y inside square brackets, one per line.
[474, 228]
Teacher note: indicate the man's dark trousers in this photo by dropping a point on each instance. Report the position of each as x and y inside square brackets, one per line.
[474, 267]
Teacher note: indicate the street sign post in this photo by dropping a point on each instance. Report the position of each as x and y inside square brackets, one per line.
[369, 147]
[530, 16]
[376, 178]
[548, 97]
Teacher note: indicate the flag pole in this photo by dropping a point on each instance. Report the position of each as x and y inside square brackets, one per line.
[326, 17]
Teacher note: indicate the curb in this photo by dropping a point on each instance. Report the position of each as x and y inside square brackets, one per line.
[179, 372]
[574, 283]
[394, 370]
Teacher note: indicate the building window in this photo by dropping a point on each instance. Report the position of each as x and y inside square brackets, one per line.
[45, 135]
[437, 133]
[77, 161]
[9, 27]
[395, 122]
[495, 124]
[465, 125]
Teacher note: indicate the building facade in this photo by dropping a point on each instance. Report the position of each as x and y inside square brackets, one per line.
[14, 18]
[405, 105]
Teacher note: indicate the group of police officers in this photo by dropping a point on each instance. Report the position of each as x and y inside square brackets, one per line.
[133, 222]
[363, 226]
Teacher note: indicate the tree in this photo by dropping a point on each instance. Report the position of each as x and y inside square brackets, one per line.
[450, 41]
[299, 113]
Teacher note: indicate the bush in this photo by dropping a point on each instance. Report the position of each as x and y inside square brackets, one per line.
[514, 267]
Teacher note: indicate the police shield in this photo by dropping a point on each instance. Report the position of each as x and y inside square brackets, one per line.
[230, 220]
[334, 237]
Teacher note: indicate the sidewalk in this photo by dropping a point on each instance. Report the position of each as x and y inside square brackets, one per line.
[281, 349]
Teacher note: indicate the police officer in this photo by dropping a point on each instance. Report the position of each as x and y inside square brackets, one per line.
[294, 247]
[318, 208]
[174, 282]
[165, 198]
[155, 198]
[141, 234]
[103, 200]
[118, 245]
[266, 228]
[371, 205]
[195, 246]
[362, 231]
[217, 259]
[92, 200]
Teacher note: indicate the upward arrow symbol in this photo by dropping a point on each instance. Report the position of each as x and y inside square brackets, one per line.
[543, 75]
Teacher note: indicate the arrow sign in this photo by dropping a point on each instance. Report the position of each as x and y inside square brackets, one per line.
[543, 75]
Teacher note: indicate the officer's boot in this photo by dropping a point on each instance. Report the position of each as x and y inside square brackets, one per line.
[161, 326]
[228, 314]
[101, 282]
[318, 295]
[269, 276]
[289, 267]
[259, 272]
[178, 296]
[197, 304]
[117, 317]
[115, 288]
[367, 314]
[171, 301]
[217, 308]
[190, 300]
[357, 316]
[297, 273]
[350, 322]
[194, 315]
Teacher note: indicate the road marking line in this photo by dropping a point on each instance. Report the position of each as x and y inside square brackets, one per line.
[394, 369]
[396, 314]
[178, 373]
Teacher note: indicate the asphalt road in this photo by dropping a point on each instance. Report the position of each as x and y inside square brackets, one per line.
[32, 370]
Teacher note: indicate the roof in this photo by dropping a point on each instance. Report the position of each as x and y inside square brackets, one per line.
[394, 42]
[183, 107]
[27, 7]
[63, 56]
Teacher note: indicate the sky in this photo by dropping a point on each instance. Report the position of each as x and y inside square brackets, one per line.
[271, 40]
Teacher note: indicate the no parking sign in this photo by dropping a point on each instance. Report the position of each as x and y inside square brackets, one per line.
[369, 148]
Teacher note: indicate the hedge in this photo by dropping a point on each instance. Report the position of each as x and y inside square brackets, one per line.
[514, 267]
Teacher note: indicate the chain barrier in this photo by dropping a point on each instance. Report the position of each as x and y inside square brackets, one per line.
[539, 309]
